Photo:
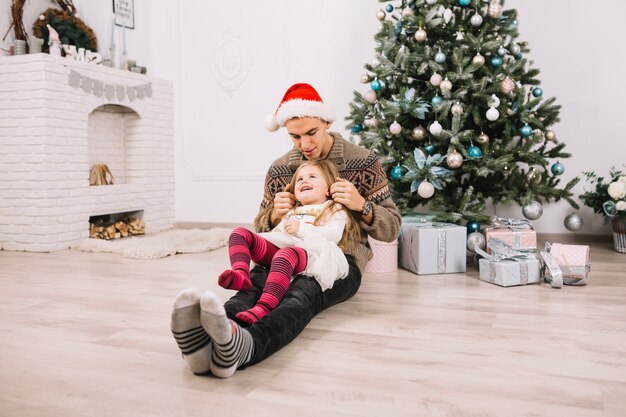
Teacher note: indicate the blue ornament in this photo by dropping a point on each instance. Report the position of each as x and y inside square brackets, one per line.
[557, 168]
[397, 29]
[389, 8]
[519, 56]
[357, 128]
[396, 173]
[465, 3]
[436, 100]
[440, 57]
[430, 149]
[537, 91]
[526, 131]
[376, 85]
[496, 61]
[472, 227]
[474, 152]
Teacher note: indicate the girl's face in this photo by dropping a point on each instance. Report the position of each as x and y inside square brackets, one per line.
[311, 188]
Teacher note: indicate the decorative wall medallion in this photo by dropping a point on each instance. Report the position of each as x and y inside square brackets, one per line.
[231, 60]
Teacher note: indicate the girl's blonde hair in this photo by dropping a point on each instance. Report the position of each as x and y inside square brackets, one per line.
[352, 232]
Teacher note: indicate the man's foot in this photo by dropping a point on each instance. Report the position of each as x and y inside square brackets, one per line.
[236, 279]
[232, 345]
[193, 341]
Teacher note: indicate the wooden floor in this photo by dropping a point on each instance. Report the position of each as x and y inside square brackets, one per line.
[88, 335]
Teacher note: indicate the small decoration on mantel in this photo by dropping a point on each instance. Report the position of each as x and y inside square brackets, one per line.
[99, 87]
[81, 55]
[71, 29]
[101, 175]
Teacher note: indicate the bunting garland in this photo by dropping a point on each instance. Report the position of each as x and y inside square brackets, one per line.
[109, 90]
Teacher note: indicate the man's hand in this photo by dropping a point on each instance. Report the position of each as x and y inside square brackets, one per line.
[283, 202]
[292, 226]
[344, 192]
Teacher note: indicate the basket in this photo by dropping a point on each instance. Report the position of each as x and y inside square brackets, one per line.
[385, 257]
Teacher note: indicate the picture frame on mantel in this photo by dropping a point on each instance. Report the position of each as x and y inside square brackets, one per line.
[124, 11]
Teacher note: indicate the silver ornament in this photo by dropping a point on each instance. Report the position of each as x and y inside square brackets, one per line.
[573, 222]
[532, 210]
[502, 51]
[482, 139]
[550, 135]
[365, 79]
[380, 15]
[475, 239]
[419, 133]
[476, 20]
[435, 128]
[454, 159]
[515, 49]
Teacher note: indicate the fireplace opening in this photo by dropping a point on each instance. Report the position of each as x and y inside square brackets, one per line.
[116, 225]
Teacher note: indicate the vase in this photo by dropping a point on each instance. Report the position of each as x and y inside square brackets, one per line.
[619, 234]
[19, 47]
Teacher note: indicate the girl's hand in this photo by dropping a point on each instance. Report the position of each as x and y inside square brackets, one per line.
[292, 226]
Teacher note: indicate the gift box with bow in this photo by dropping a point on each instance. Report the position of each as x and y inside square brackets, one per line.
[518, 234]
[506, 266]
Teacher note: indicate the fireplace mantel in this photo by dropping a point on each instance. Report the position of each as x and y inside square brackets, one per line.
[48, 109]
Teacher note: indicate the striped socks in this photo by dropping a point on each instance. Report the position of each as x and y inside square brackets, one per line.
[286, 263]
[243, 246]
[193, 341]
[232, 345]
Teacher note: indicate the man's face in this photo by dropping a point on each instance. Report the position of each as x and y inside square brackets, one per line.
[309, 136]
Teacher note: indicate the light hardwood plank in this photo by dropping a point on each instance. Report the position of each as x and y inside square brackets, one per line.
[88, 335]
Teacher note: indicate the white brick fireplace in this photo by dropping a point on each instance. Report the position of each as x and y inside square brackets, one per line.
[57, 118]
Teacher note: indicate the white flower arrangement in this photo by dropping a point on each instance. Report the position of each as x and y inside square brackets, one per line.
[607, 198]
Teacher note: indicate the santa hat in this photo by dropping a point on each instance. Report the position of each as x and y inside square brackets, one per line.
[300, 100]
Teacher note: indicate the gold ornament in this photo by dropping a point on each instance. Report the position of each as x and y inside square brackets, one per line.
[550, 135]
[483, 138]
[380, 15]
[507, 86]
[495, 9]
[478, 59]
[533, 177]
[419, 133]
[454, 159]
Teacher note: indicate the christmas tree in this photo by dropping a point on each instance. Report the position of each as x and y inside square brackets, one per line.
[456, 113]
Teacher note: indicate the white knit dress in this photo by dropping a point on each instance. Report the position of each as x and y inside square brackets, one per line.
[326, 262]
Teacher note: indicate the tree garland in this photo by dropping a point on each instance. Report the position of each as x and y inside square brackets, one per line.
[72, 30]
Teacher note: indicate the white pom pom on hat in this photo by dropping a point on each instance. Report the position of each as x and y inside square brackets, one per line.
[300, 100]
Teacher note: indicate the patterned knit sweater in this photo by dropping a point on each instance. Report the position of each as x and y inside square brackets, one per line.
[358, 165]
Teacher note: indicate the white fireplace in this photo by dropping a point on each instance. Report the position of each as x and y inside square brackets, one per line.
[58, 118]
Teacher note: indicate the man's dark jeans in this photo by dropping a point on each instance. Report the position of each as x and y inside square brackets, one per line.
[302, 301]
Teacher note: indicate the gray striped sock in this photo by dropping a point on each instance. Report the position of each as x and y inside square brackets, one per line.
[193, 341]
[232, 345]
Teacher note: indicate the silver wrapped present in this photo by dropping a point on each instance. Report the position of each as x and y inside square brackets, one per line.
[506, 266]
[432, 247]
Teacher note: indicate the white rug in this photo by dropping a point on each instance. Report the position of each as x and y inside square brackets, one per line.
[162, 244]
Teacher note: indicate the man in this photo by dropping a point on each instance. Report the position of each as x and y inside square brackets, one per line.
[204, 328]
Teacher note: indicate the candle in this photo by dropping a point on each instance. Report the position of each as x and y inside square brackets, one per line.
[124, 37]
[112, 47]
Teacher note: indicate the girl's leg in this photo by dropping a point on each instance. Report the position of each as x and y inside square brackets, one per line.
[286, 263]
[243, 246]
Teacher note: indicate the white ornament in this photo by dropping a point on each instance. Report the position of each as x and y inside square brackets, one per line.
[395, 128]
[459, 35]
[431, 2]
[436, 79]
[478, 59]
[494, 101]
[445, 86]
[425, 189]
[493, 114]
[370, 96]
[476, 20]
[380, 15]
[435, 128]
[420, 35]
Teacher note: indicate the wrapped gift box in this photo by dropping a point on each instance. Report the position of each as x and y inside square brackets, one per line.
[574, 262]
[507, 273]
[518, 234]
[432, 248]
[385, 257]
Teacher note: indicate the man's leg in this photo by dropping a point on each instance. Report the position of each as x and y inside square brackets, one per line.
[301, 303]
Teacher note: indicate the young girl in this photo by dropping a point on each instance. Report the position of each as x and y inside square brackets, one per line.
[308, 240]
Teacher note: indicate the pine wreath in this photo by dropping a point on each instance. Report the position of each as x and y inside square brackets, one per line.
[72, 30]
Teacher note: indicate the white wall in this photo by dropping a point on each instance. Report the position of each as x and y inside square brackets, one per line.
[257, 49]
